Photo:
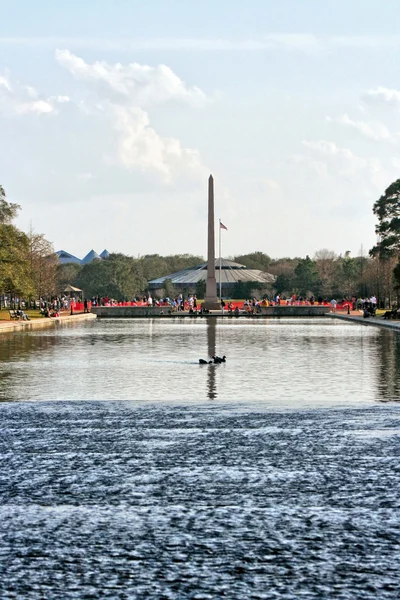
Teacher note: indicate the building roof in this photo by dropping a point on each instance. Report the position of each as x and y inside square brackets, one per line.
[92, 255]
[65, 257]
[231, 273]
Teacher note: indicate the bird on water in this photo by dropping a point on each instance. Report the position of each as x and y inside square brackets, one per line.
[218, 359]
[215, 359]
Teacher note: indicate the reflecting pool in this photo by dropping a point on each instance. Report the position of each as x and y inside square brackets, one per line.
[281, 363]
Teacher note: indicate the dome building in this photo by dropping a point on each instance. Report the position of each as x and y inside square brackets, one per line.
[231, 272]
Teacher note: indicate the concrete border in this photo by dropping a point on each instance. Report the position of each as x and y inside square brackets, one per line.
[375, 321]
[141, 312]
[45, 323]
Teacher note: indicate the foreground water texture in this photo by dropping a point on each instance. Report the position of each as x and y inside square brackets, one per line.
[275, 475]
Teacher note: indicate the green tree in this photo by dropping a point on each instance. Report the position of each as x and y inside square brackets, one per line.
[67, 274]
[254, 260]
[15, 273]
[117, 276]
[348, 276]
[245, 289]
[284, 284]
[306, 277]
[43, 265]
[154, 265]
[396, 276]
[168, 288]
[179, 262]
[327, 268]
[387, 210]
[8, 210]
[201, 289]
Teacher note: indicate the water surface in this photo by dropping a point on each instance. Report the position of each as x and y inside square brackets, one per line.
[128, 471]
[297, 362]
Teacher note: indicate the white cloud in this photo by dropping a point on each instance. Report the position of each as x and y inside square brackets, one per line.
[342, 167]
[141, 84]
[339, 161]
[329, 148]
[271, 184]
[24, 99]
[383, 95]
[5, 84]
[122, 91]
[87, 176]
[60, 99]
[373, 130]
[141, 147]
[38, 107]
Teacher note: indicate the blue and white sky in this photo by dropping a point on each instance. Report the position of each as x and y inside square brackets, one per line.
[113, 114]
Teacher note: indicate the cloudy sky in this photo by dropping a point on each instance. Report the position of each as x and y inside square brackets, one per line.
[113, 114]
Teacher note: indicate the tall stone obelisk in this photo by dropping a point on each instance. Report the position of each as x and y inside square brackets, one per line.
[211, 300]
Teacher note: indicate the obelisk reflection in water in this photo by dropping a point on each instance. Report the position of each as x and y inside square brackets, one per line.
[211, 346]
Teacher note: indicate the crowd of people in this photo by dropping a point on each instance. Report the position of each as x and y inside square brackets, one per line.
[53, 307]
[190, 303]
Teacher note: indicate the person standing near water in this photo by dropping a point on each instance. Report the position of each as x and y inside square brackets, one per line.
[333, 305]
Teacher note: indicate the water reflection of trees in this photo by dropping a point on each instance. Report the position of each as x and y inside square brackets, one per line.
[388, 366]
[18, 348]
[14, 346]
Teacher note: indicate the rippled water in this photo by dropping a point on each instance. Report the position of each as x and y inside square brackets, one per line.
[275, 475]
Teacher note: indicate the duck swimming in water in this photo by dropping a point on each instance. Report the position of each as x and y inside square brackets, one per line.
[218, 359]
[204, 362]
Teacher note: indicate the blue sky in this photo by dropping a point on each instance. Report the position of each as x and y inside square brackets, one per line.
[113, 114]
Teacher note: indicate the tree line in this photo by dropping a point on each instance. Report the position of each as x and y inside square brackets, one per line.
[29, 267]
[28, 264]
[326, 275]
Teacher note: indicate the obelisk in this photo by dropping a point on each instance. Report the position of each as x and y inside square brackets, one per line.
[211, 300]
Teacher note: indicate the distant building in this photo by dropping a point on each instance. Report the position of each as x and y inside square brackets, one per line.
[90, 256]
[231, 274]
[65, 257]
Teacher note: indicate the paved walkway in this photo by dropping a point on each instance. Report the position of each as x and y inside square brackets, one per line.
[356, 317]
[11, 326]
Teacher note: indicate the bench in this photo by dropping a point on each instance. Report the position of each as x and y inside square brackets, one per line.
[392, 314]
[13, 315]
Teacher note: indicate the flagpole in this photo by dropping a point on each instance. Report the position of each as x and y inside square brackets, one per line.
[220, 262]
